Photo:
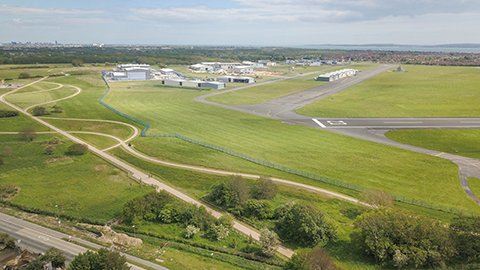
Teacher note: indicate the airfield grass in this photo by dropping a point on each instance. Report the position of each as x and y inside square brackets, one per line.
[267, 92]
[423, 91]
[340, 157]
[118, 130]
[474, 184]
[18, 123]
[98, 141]
[463, 141]
[82, 186]
[40, 86]
[25, 100]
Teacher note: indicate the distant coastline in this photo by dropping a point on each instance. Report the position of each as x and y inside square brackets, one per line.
[459, 47]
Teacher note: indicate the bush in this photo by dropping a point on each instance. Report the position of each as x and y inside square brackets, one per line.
[7, 151]
[57, 109]
[23, 76]
[5, 113]
[258, 209]
[49, 150]
[377, 198]
[55, 140]
[264, 189]
[77, 149]
[1, 161]
[191, 231]
[306, 225]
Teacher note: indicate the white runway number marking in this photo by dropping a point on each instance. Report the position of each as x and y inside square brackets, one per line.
[337, 123]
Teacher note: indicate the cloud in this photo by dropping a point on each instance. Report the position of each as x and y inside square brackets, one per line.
[28, 11]
[308, 10]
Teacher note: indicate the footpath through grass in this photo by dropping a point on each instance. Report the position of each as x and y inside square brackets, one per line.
[423, 91]
[462, 142]
[263, 93]
[340, 157]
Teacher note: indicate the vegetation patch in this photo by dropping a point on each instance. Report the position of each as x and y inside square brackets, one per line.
[57, 159]
[8, 192]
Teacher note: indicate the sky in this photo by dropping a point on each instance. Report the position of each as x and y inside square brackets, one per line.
[241, 22]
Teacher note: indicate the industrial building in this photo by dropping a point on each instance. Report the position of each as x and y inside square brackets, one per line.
[235, 79]
[243, 69]
[195, 83]
[335, 75]
[131, 72]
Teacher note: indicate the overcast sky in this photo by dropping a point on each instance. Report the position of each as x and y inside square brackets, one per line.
[241, 22]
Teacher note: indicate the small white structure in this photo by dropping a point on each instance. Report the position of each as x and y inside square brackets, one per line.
[243, 69]
[167, 71]
[214, 85]
[201, 68]
[335, 75]
[234, 79]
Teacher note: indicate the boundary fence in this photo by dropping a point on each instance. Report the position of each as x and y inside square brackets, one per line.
[316, 177]
[119, 113]
[327, 180]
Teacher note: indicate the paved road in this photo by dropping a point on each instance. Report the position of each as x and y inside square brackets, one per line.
[38, 239]
[364, 128]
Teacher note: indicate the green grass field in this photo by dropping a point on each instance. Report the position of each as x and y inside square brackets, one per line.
[463, 141]
[118, 130]
[17, 123]
[423, 91]
[80, 185]
[474, 184]
[24, 100]
[263, 93]
[98, 141]
[340, 157]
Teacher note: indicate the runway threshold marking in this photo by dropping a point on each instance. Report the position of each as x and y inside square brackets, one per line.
[319, 123]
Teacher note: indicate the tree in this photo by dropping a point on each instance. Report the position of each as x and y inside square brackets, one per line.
[77, 62]
[55, 256]
[103, 260]
[304, 224]
[467, 237]
[317, 259]
[298, 261]
[232, 193]
[57, 109]
[28, 134]
[377, 198]
[257, 209]
[55, 140]
[264, 189]
[37, 111]
[49, 150]
[269, 242]
[7, 151]
[77, 149]
[421, 240]
[191, 231]
[23, 75]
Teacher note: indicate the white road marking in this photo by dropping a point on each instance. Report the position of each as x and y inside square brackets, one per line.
[44, 238]
[398, 122]
[319, 123]
[337, 123]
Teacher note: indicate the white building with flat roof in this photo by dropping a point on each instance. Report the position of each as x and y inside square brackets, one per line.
[335, 75]
[243, 69]
[235, 79]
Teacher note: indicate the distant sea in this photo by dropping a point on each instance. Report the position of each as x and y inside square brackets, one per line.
[463, 48]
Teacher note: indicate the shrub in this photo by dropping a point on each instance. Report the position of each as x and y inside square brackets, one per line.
[269, 242]
[377, 198]
[257, 209]
[55, 140]
[49, 150]
[57, 109]
[28, 134]
[23, 76]
[264, 189]
[1, 161]
[191, 231]
[5, 113]
[77, 149]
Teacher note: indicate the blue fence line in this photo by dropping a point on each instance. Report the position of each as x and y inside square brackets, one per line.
[122, 114]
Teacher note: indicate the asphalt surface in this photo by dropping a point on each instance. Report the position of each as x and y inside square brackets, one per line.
[38, 239]
[371, 129]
